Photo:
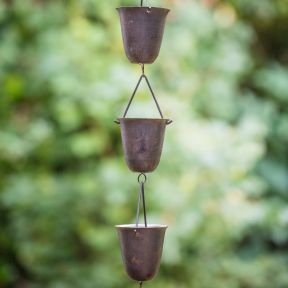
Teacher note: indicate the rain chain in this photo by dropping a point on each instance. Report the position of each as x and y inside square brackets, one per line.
[142, 140]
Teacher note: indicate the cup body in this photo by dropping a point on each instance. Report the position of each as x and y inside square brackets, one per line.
[142, 141]
[141, 249]
[142, 32]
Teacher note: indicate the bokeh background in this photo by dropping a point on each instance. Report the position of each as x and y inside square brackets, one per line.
[222, 184]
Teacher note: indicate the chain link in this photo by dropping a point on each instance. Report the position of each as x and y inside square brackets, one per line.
[141, 195]
[139, 177]
[136, 88]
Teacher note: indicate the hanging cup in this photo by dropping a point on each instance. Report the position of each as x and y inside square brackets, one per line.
[141, 249]
[142, 141]
[142, 32]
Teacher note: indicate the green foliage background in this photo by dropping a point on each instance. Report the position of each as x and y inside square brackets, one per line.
[222, 184]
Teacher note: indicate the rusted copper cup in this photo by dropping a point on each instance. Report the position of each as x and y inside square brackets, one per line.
[141, 249]
[142, 141]
[142, 32]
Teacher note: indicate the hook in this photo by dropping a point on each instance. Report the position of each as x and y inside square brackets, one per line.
[169, 122]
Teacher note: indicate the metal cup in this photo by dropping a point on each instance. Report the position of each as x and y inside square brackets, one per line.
[142, 32]
[141, 249]
[142, 141]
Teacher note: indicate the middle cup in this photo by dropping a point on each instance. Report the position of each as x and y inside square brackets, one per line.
[142, 141]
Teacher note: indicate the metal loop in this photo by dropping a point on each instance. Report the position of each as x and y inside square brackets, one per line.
[139, 176]
[168, 122]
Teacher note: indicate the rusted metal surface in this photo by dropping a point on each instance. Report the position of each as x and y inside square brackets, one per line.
[141, 249]
[142, 32]
[142, 141]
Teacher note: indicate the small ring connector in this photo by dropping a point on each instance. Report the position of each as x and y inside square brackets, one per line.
[139, 178]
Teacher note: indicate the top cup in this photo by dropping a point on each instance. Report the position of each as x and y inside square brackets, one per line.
[142, 32]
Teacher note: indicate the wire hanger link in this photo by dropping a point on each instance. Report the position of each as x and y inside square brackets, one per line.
[136, 88]
[151, 91]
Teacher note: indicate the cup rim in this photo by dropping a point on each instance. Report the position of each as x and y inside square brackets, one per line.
[141, 226]
[144, 119]
[153, 120]
[143, 7]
